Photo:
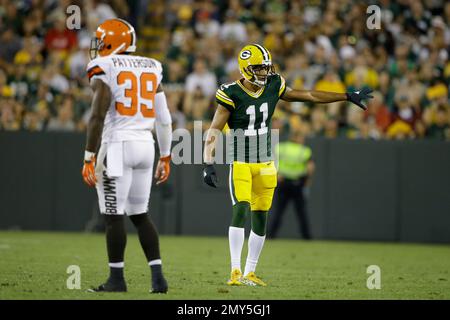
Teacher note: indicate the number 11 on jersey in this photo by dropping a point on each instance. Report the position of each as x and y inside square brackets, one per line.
[251, 111]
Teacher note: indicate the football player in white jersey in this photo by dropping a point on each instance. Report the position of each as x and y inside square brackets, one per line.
[128, 102]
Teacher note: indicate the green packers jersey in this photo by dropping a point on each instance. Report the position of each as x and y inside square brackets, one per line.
[249, 139]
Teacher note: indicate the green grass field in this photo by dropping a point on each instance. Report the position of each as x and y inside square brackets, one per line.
[33, 266]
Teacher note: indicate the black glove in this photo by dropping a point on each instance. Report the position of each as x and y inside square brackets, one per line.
[209, 175]
[357, 96]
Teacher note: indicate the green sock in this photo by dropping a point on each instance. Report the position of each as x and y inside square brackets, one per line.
[259, 222]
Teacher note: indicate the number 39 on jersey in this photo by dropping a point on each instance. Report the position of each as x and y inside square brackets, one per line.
[133, 81]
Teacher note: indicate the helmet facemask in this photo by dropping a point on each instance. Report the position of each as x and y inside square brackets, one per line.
[96, 45]
[260, 73]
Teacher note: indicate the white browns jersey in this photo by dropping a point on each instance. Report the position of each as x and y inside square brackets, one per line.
[133, 81]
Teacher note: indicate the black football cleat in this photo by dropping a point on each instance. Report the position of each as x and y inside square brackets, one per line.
[159, 285]
[111, 286]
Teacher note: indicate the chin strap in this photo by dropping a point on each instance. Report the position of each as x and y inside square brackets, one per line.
[253, 81]
[258, 84]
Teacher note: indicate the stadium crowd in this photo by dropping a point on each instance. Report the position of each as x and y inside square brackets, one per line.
[323, 45]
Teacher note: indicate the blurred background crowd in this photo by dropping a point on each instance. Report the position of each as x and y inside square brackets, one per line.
[322, 45]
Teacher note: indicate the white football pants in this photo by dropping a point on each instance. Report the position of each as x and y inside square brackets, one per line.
[130, 192]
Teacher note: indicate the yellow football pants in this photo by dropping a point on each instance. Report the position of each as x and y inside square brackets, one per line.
[253, 183]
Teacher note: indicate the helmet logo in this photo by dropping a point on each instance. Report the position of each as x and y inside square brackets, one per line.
[245, 54]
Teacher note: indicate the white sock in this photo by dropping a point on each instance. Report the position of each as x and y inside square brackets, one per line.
[255, 245]
[154, 262]
[236, 239]
[116, 264]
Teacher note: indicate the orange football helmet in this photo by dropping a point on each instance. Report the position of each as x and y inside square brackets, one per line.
[113, 37]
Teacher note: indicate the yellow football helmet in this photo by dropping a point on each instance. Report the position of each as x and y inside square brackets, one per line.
[255, 64]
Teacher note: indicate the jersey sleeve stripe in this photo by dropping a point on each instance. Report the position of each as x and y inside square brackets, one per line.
[282, 87]
[225, 98]
[95, 71]
[224, 101]
[221, 92]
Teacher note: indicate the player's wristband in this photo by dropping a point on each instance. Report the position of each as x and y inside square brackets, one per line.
[166, 158]
[88, 155]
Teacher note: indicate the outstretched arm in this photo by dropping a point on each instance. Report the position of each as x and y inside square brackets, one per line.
[291, 95]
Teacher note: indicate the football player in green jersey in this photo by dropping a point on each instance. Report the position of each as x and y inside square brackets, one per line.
[247, 106]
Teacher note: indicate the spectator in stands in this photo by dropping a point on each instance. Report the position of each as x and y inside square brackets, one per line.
[405, 111]
[54, 78]
[400, 130]
[64, 120]
[174, 101]
[174, 75]
[58, 38]
[10, 45]
[42, 112]
[202, 81]
[437, 119]
[331, 128]
[439, 128]
[318, 121]
[31, 122]
[78, 61]
[19, 83]
[199, 107]
[362, 75]
[101, 10]
[198, 43]
[232, 29]
[331, 82]
[354, 126]
[8, 119]
[12, 18]
[5, 89]
[205, 26]
[377, 113]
